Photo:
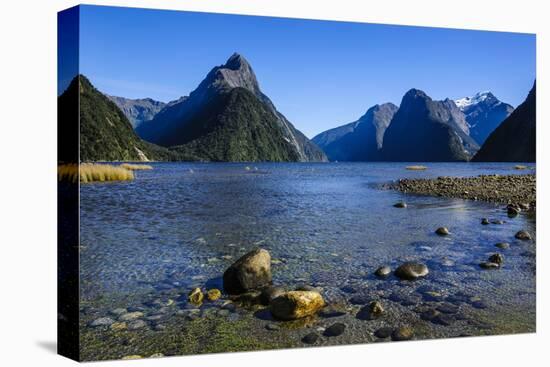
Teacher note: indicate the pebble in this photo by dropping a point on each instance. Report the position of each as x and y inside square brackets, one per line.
[503, 245]
[272, 327]
[136, 324]
[103, 321]
[496, 258]
[411, 271]
[213, 294]
[118, 326]
[310, 338]
[119, 311]
[402, 333]
[489, 265]
[383, 332]
[335, 329]
[130, 316]
[484, 221]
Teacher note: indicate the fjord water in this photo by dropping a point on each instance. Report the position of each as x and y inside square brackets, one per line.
[328, 225]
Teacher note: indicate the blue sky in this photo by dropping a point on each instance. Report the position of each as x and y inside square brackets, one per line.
[319, 74]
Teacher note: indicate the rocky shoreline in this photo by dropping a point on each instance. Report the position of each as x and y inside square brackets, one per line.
[519, 190]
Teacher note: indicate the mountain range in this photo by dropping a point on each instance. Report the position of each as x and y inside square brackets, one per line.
[228, 118]
[138, 110]
[360, 140]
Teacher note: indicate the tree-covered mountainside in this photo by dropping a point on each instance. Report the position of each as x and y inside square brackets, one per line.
[196, 125]
[515, 139]
[105, 132]
[361, 140]
[424, 130]
[234, 127]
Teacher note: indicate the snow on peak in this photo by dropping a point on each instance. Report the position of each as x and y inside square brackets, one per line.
[477, 98]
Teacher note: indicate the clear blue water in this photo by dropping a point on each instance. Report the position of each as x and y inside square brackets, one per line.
[183, 224]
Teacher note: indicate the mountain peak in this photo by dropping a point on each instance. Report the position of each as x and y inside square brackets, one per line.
[415, 93]
[235, 62]
[479, 97]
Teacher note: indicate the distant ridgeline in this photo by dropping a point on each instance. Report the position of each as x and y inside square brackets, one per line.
[422, 129]
[227, 118]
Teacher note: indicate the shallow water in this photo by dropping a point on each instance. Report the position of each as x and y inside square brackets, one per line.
[182, 224]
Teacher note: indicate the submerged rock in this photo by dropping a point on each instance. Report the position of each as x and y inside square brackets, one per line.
[130, 316]
[383, 332]
[335, 329]
[296, 305]
[442, 231]
[411, 271]
[103, 321]
[310, 338]
[252, 271]
[496, 258]
[503, 245]
[523, 235]
[484, 221]
[400, 204]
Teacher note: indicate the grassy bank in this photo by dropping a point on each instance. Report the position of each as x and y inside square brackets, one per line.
[91, 172]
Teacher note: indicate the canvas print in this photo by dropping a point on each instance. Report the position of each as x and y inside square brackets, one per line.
[241, 183]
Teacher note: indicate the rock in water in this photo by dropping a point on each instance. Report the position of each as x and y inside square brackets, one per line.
[196, 296]
[497, 258]
[376, 308]
[489, 265]
[523, 235]
[213, 294]
[411, 271]
[383, 271]
[503, 245]
[296, 304]
[484, 221]
[400, 204]
[403, 333]
[442, 231]
[335, 329]
[252, 271]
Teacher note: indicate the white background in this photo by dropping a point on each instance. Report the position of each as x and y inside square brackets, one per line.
[28, 181]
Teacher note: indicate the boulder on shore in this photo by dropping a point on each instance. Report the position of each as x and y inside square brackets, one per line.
[252, 271]
[296, 305]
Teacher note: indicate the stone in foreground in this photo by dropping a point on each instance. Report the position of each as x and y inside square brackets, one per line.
[335, 329]
[252, 271]
[296, 305]
[411, 271]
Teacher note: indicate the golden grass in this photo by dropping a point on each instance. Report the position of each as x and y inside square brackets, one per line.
[416, 168]
[520, 167]
[136, 167]
[89, 172]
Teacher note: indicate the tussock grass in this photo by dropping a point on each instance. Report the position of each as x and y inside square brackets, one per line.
[416, 168]
[519, 166]
[136, 167]
[89, 172]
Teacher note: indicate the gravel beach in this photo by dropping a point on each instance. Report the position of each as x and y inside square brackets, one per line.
[507, 189]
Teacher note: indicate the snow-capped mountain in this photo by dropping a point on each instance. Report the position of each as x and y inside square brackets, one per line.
[484, 112]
